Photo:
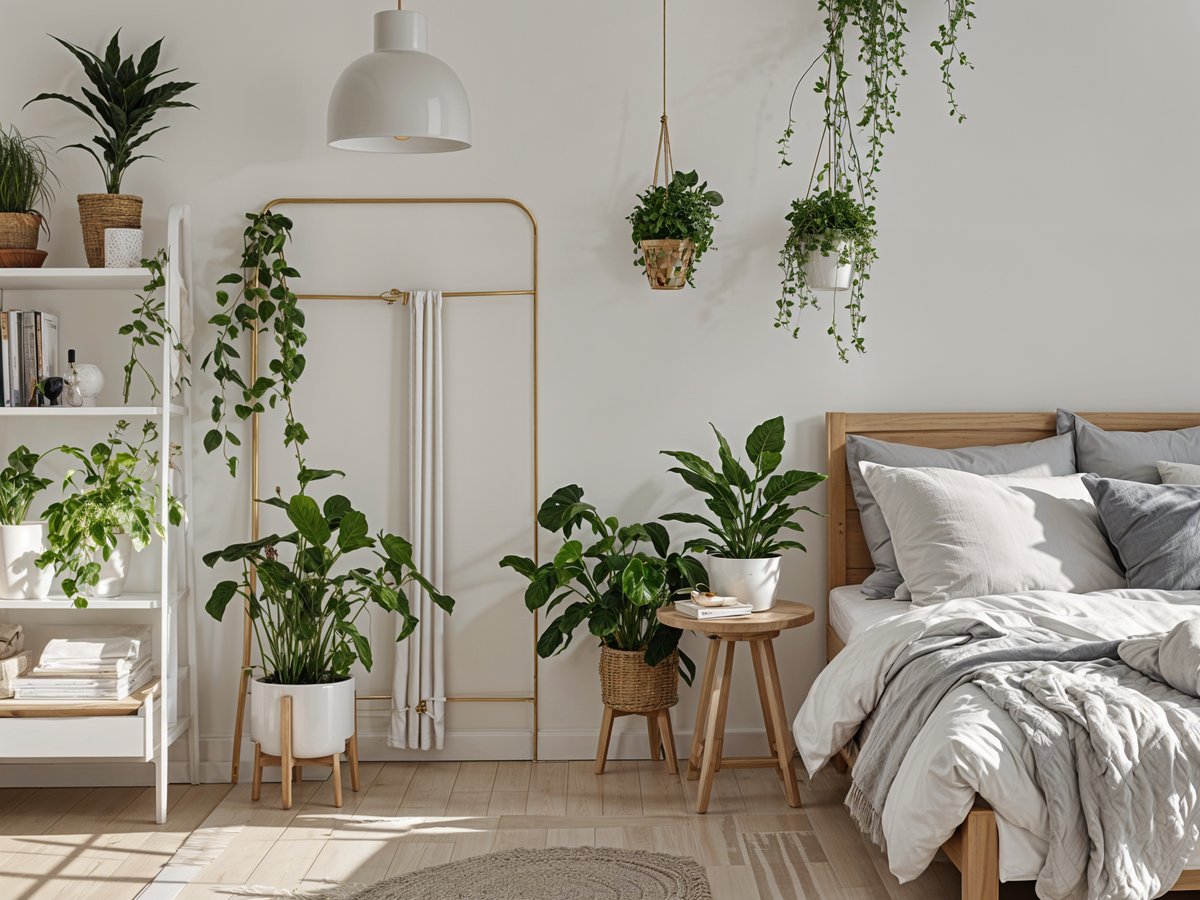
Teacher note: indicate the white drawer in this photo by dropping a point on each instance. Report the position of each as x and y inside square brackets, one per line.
[75, 736]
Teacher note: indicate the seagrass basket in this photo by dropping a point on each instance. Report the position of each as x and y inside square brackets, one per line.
[668, 262]
[19, 231]
[100, 211]
[627, 684]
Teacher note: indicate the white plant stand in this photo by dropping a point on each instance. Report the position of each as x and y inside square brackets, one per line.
[144, 726]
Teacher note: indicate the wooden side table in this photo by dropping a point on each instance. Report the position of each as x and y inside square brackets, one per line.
[758, 630]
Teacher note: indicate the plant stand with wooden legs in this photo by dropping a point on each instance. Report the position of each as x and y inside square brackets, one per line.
[658, 727]
[292, 767]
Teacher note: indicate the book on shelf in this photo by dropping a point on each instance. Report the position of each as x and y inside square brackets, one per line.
[47, 349]
[5, 396]
[696, 611]
[12, 375]
[28, 358]
[29, 354]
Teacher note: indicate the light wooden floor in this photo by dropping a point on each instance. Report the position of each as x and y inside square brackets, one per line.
[101, 844]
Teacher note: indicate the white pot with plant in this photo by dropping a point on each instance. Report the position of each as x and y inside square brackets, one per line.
[750, 508]
[22, 540]
[109, 512]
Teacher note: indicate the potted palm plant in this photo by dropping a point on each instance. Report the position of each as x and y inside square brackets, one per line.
[110, 510]
[26, 194]
[125, 97]
[750, 508]
[673, 229]
[22, 541]
[613, 582]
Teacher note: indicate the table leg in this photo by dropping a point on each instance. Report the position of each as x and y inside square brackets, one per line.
[778, 723]
[668, 739]
[761, 681]
[652, 733]
[256, 784]
[696, 755]
[352, 755]
[602, 747]
[285, 749]
[714, 731]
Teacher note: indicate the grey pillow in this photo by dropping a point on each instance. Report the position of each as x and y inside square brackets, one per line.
[1129, 455]
[1050, 456]
[1154, 528]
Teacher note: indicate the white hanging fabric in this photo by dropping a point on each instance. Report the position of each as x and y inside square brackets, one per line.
[418, 680]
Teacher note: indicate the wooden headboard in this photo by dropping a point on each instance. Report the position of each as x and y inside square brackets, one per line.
[849, 559]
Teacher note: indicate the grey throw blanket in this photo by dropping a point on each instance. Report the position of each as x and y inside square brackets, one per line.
[1116, 751]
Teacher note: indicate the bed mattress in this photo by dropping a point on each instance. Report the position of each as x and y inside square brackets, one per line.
[851, 612]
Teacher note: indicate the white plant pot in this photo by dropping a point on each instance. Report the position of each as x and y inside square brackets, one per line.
[322, 717]
[20, 546]
[825, 271]
[113, 570]
[752, 581]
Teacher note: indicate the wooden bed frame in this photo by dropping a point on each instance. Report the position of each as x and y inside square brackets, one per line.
[975, 846]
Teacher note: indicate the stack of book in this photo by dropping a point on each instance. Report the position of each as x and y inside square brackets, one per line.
[91, 667]
[728, 611]
[28, 355]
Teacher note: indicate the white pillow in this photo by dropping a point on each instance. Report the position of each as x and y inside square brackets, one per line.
[1178, 473]
[957, 534]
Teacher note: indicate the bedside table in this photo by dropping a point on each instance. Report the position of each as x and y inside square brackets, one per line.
[759, 630]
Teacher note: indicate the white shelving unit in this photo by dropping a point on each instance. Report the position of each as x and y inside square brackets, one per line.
[146, 725]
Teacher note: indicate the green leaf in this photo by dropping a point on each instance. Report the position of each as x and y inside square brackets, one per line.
[212, 441]
[306, 516]
[334, 508]
[352, 532]
[789, 484]
[766, 438]
[219, 600]
[522, 564]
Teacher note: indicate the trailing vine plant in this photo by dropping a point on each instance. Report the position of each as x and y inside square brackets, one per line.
[850, 151]
[150, 327]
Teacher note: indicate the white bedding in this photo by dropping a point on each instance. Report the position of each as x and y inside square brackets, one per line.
[969, 745]
[850, 611]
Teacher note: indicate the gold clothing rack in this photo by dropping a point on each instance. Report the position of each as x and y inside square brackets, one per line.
[390, 297]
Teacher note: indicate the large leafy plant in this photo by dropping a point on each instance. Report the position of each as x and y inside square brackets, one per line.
[112, 493]
[123, 101]
[20, 484]
[26, 181]
[750, 507]
[832, 223]
[612, 577]
[681, 210]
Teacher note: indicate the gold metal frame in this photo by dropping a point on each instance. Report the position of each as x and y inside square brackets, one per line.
[391, 296]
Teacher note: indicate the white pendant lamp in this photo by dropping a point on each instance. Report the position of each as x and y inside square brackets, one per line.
[399, 99]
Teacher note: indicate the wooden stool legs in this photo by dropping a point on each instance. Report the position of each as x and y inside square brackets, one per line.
[658, 729]
[292, 767]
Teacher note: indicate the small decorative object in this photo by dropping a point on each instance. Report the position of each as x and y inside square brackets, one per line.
[673, 222]
[51, 389]
[22, 541]
[124, 100]
[751, 508]
[708, 598]
[84, 382]
[25, 188]
[72, 395]
[122, 248]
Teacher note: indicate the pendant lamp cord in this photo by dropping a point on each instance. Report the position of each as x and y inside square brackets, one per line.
[663, 155]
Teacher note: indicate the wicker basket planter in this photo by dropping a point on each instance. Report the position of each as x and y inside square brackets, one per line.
[667, 262]
[19, 231]
[100, 211]
[627, 684]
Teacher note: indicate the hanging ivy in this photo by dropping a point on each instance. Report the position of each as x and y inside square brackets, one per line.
[850, 151]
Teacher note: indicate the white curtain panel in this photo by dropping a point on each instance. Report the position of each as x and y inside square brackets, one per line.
[420, 672]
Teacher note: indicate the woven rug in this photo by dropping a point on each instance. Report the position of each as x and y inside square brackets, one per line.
[560, 873]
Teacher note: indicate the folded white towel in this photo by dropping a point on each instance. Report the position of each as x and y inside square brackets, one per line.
[96, 648]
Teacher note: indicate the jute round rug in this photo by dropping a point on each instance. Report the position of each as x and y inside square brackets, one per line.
[560, 873]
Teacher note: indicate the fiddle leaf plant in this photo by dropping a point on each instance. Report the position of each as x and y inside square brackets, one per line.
[682, 210]
[611, 577]
[749, 507]
[112, 493]
[20, 485]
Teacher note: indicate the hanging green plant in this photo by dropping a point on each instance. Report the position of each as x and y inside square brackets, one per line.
[673, 228]
[150, 328]
[850, 151]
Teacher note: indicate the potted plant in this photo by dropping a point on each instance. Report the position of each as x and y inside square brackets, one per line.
[123, 102]
[750, 509]
[614, 582]
[22, 541]
[95, 529]
[830, 247]
[26, 194]
[673, 228]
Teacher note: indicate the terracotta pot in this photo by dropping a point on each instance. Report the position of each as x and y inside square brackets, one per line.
[19, 231]
[100, 211]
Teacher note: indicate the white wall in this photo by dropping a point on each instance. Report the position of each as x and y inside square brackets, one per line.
[1037, 255]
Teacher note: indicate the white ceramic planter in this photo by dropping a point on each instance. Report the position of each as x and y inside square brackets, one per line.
[825, 271]
[322, 717]
[20, 546]
[752, 581]
[122, 248]
[114, 570]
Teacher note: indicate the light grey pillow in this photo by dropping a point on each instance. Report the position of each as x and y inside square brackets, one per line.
[1155, 529]
[1051, 456]
[1129, 455]
[956, 534]
[1178, 473]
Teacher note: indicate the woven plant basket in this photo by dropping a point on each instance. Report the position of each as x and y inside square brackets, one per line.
[100, 211]
[19, 231]
[629, 685]
[667, 262]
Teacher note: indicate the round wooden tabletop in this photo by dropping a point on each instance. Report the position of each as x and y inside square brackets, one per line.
[784, 614]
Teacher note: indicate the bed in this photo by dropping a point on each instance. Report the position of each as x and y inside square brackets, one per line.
[974, 846]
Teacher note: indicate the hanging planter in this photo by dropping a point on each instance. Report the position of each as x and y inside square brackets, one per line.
[831, 270]
[673, 221]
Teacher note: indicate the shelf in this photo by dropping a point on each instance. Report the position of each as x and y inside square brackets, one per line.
[74, 279]
[58, 601]
[39, 709]
[114, 412]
